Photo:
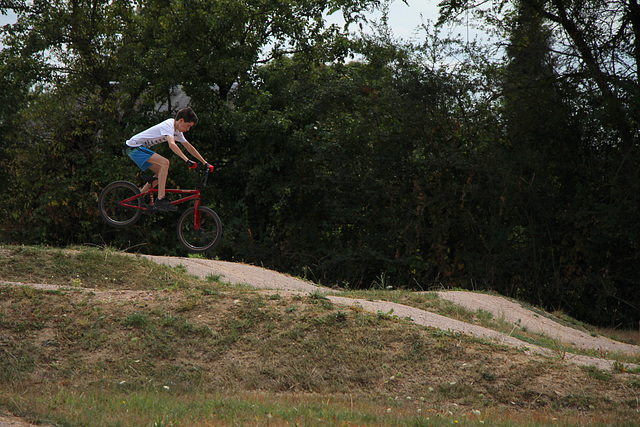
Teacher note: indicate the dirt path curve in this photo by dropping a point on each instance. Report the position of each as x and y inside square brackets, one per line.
[502, 308]
[517, 314]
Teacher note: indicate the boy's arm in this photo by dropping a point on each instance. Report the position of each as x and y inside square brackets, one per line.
[174, 147]
[191, 149]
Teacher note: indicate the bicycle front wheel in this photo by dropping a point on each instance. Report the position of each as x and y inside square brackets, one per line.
[110, 204]
[199, 233]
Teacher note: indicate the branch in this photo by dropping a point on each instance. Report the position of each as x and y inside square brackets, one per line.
[634, 16]
[601, 79]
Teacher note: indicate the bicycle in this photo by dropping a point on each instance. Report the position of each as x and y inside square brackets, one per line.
[121, 204]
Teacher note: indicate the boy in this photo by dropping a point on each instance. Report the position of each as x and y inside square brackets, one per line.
[171, 130]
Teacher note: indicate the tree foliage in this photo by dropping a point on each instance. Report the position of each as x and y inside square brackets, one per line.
[83, 75]
[570, 88]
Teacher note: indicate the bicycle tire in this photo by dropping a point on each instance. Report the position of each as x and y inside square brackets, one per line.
[109, 204]
[203, 239]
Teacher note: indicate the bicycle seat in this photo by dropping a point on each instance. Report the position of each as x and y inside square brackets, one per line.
[149, 179]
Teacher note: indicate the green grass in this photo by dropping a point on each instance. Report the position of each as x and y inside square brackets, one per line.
[150, 345]
[88, 268]
[170, 409]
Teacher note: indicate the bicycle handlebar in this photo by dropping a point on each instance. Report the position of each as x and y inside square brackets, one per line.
[194, 165]
[207, 169]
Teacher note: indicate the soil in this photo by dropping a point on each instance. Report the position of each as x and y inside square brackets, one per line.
[501, 308]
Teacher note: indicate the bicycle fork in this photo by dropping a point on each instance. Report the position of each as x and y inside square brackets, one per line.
[196, 212]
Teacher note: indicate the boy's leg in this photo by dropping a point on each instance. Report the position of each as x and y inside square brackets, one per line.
[141, 156]
[147, 186]
[160, 166]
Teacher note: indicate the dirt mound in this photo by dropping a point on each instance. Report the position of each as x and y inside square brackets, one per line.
[501, 308]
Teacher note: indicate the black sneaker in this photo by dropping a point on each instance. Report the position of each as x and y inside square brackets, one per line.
[165, 205]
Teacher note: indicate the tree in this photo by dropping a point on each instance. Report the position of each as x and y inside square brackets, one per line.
[541, 147]
[585, 165]
[354, 172]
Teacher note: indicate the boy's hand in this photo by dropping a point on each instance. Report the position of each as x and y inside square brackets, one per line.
[191, 164]
[209, 167]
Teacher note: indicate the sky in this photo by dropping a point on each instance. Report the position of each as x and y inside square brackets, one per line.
[9, 18]
[403, 19]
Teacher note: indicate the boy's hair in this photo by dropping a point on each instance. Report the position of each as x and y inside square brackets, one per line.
[188, 115]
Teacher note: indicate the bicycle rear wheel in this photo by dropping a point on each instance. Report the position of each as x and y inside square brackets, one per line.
[202, 238]
[110, 206]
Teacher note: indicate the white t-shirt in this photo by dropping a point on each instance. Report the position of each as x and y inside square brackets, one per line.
[156, 135]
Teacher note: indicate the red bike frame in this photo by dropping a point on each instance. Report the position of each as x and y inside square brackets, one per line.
[195, 195]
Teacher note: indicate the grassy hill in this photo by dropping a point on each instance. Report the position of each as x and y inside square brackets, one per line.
[116, 340]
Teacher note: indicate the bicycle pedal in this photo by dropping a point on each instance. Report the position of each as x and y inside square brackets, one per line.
[150, 209]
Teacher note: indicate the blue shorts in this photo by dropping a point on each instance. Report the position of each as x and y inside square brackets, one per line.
[140, 155]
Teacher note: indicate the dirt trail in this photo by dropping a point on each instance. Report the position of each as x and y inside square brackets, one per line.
[523, 317]
[502, 308]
